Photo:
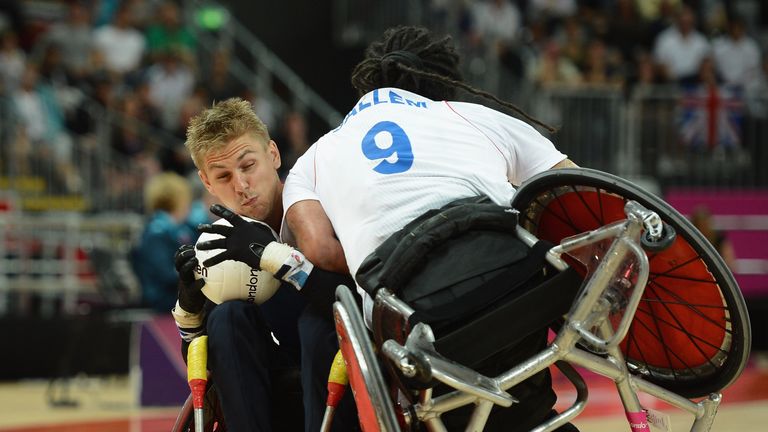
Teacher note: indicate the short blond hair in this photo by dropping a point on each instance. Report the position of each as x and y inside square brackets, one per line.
[213, 128]
[166, 191]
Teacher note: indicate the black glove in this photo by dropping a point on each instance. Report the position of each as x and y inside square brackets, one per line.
[191, 298]
[244, 241]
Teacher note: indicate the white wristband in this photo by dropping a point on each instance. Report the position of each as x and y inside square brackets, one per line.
[286, 263]
[186, 319]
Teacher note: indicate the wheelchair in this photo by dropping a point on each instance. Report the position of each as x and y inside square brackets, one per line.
[638, 296]
[656, 311]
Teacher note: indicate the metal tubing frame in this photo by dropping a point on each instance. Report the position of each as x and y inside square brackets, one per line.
[564, 348]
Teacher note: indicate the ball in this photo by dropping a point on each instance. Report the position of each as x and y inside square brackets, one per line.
[233, 280]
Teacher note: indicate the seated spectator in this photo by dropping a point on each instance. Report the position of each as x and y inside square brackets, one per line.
[626, 30]
[737, 56]
[497, 27]
[167, 200]
[170, 81]
[74, 38]
[219, 82]
[169, 31]
[552, 69]
[12, 62]
[553, 11]
[602, 66]
[42, 126]
[292, 139]
[680, 49]
[120, 43]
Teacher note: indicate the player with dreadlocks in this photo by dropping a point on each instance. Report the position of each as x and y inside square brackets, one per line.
[405, 148]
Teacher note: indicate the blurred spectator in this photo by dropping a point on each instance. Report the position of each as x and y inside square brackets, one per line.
[573, 38]
[150, 114]
[654, 10]
[127, 137]
[645, 76]
[100, 92]
[202, 200]
[42, 122]
[167, 200]
[701, 218]
[142, 13]
[552, 10]
[73, 37]
[497, 27]
[120, 43]
[679, 49]
[220, 84]
[737, 56]
[104, 12]
[292, 140]
[174, 156]
[55, 73]
[12, 62]
[169, 32]
[11, 16]
[170, 81]
[627, 31]
[602, 66]
[262, 107]
[552, 69]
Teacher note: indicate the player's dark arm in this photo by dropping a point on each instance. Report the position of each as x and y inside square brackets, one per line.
[320, 289]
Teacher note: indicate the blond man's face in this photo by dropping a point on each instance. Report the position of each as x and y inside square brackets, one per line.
[243, 176]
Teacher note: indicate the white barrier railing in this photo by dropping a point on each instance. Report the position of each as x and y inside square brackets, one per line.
[51, 257]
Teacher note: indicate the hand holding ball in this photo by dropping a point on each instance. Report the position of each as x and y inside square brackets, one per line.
[233, 280]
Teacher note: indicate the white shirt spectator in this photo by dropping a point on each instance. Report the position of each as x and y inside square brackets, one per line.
[680, 54]
[123, 48]
[737, 60]
[170, 83]
[496, 21]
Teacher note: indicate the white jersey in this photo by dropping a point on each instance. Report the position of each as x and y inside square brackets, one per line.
[398, 154]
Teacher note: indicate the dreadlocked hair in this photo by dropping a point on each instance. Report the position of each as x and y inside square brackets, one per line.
[407, 57]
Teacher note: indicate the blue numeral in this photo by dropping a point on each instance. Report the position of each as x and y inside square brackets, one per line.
[401, 146]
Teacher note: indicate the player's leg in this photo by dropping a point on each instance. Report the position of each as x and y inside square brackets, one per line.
[241, 354]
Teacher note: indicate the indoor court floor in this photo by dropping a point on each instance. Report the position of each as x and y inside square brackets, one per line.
[109, 405]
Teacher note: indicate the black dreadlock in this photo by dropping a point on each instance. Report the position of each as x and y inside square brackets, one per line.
[407, 57]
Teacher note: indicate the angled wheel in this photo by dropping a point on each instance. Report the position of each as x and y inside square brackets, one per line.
[185, 421]
[691, 332]
[374, 408]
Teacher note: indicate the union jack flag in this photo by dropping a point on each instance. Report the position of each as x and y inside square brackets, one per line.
[711, 117]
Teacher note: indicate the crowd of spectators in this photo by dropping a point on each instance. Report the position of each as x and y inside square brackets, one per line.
[614, 43]
[138, 65]
[108, 85]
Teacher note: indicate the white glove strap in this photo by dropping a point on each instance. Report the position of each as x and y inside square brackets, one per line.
[186, 319]
[286, 263]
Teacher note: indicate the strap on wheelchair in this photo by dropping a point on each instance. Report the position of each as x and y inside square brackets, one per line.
[496, 288]
[512, 321]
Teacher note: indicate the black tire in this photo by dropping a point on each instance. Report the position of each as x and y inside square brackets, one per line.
[546, 203]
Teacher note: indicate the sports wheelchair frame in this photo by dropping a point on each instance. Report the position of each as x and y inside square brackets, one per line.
[658, 312]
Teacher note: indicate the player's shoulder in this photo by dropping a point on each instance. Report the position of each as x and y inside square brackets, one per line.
[479, 114]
